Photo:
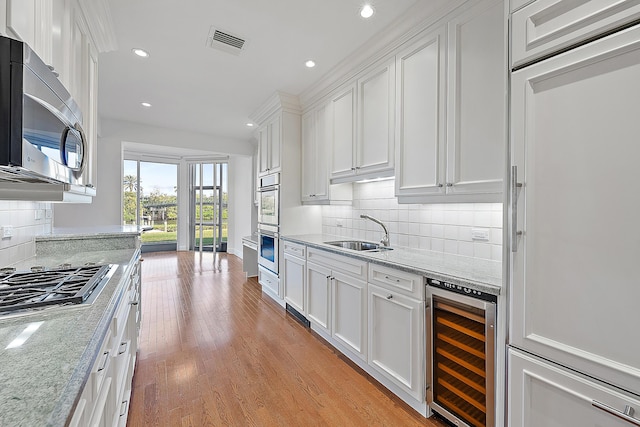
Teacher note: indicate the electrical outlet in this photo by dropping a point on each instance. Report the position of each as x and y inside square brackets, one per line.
[47, 213]
[480, 234]
[7, 231]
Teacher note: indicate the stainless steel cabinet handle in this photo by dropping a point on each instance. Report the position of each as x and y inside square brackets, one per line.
[125, 344]
[389, 296]
[104, 361]
[449, 184]
[439, 185]
[124, 407]
[515, 185]
[627, 415]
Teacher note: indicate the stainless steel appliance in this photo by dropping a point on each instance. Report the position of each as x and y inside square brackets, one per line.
[268, 247]
[41, 135]
[461, 353]
[23, 292]
[269, 200]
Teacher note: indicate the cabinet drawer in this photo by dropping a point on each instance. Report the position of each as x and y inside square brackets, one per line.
[547, 26]
[343, 264]
[409, 284]
[269, 280]
[295, 249]
[544, 394]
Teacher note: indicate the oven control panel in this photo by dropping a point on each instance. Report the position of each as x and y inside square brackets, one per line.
[462, 290]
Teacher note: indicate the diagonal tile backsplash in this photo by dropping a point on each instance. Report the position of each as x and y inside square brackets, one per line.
[438, 227]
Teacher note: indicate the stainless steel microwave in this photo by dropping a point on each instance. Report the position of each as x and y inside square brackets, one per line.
[41, 135]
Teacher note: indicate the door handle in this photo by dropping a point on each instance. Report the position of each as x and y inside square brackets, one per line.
[627, 415]
[515, 185]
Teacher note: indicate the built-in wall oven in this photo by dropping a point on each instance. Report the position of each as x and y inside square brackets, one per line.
[461, 353]
[269, 200]
[268, 247]
[269, 222]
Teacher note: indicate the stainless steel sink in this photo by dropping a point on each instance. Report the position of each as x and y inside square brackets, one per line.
[357, 245]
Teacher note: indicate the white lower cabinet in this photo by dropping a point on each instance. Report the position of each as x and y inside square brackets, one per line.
[294, 282]
[545, 394]
[319, 296]
[349, 322]
[269, 281]
[396, 349]
[104, 401]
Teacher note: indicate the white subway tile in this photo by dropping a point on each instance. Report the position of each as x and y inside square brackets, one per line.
[414, 242]
[451, 232]
[465, 248]
[496, 236]
[403, 240]
[496, 252]
[451, 246]
[437, 245]
[437, 230]
[482, 250]
[425, 230]
[414, 228]
[482, 219]
[425, 243]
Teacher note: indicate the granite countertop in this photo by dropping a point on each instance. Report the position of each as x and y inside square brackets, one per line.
[42, 378]
[253, 238]
[61, 233]
[482, 275]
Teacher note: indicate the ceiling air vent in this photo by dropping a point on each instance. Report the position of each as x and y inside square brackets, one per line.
[225, 41]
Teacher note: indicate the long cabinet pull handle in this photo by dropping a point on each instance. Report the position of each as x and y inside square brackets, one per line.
[124, 406]
[125, 344]
[627, 415]
[515, 185]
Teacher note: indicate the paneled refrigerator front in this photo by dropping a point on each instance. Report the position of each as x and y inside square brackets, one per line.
[574, 344]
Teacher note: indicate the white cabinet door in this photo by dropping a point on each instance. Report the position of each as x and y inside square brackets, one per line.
[420, 124]
[543, 394]
[547, 26]
[319, 296]
[574, 135]
[269, 143]
[477, 102]
[294, 282]
[396, 339]
[275, 143]
[316, 134]
[376, 109]
[342, 144]
[349, 325]
[309, 156]
[31, 21]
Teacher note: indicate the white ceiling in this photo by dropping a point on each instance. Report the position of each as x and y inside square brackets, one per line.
[195, 88]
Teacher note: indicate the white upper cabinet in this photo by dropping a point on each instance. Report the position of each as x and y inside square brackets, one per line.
[316, 142]
[451, 109]
[363, 127]
[269, 143]
[420, 125]
[477, 100]
[31, 22]
[547, 26]
[375, 106]
[342, 144]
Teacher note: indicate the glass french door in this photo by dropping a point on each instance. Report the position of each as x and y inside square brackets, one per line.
[208, 206]
[150, 200]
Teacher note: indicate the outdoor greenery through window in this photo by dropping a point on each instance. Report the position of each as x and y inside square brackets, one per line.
[150, 199]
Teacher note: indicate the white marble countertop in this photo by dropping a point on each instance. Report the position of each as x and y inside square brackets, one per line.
[483, 275]
[252, 239]
[42, 378]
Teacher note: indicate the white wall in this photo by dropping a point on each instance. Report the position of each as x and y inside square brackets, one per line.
[106, 206]
[241, 207]
[22, 216]
[438, 227]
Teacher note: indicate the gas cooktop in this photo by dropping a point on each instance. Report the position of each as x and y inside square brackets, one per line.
[24, 291]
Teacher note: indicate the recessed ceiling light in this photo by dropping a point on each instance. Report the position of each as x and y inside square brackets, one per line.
[250, 125]
[140, 52]
[145, 104]
[310, 64]
[367, 11]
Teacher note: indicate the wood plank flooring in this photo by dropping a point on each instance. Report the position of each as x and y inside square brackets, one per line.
[214, 351]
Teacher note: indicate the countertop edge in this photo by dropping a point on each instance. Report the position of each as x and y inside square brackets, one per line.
[66, 404]
[485, 287]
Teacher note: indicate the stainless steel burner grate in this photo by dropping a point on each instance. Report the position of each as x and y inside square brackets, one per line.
[25, 290]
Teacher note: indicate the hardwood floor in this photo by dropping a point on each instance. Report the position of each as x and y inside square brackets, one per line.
[214, 351]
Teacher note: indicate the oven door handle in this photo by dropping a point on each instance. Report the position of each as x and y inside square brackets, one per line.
[273, 234]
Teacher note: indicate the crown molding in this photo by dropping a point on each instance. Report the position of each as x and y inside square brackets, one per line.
[279, 101]
[379, 48]
[97, 15]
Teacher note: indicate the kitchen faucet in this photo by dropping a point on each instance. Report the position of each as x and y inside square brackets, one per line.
[385, 239]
